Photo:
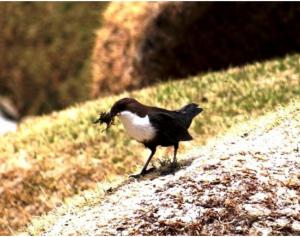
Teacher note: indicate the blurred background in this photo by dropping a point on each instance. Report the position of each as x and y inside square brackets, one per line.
[56, 54]
[45, 54]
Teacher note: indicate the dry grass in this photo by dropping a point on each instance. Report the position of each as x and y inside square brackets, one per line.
[116, 45]
[54, 157]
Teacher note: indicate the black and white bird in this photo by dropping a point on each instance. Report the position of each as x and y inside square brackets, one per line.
[154, 126]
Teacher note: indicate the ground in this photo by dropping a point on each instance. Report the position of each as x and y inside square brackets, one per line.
[246, 182]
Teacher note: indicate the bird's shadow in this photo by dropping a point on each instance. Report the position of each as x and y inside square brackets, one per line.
[167, 167]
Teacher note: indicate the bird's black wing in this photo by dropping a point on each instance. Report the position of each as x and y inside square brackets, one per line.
[170, 127]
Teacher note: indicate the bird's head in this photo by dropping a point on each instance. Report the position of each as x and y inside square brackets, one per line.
[118, 107]
[121, 105]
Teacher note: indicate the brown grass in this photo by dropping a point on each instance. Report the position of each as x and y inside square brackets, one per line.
[116, 45]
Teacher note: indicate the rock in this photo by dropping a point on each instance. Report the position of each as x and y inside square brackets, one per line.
[8, 116]
[6, 125]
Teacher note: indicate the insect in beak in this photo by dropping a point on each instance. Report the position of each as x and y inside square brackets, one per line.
[105, 118]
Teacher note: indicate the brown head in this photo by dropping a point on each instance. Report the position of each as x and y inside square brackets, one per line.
[122, 105]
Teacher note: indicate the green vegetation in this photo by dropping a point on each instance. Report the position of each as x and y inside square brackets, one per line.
[54, 157]
[45, 53]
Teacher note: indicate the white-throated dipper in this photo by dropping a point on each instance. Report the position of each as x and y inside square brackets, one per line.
[153, 126]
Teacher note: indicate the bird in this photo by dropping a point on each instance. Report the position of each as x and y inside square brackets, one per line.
[153, 126]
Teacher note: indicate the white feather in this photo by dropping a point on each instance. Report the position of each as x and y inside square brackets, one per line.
[137, 127]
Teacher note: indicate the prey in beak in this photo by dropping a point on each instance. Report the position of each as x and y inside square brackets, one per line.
[105, 118]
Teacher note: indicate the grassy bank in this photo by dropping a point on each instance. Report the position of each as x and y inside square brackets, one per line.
[45, 52]
[54, 157]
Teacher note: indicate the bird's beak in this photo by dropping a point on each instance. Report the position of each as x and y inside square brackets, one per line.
[113, 114]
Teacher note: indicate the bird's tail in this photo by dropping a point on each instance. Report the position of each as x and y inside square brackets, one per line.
[190, 111]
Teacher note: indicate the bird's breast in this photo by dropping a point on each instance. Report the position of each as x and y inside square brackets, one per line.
[137, 127]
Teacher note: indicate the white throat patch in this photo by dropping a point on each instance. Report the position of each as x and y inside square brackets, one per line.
[137, 127]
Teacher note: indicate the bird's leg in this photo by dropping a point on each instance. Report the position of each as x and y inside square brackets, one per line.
[144, 170]
[175, 153]
[153, 150]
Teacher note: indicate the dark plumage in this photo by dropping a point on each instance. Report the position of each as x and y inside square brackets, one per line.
[153, 126]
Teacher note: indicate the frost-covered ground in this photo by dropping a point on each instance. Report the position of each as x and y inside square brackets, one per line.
[240, 185]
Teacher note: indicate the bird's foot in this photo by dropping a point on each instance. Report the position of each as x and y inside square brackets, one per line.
[143, 173]
[136, 176]
[174, 165]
